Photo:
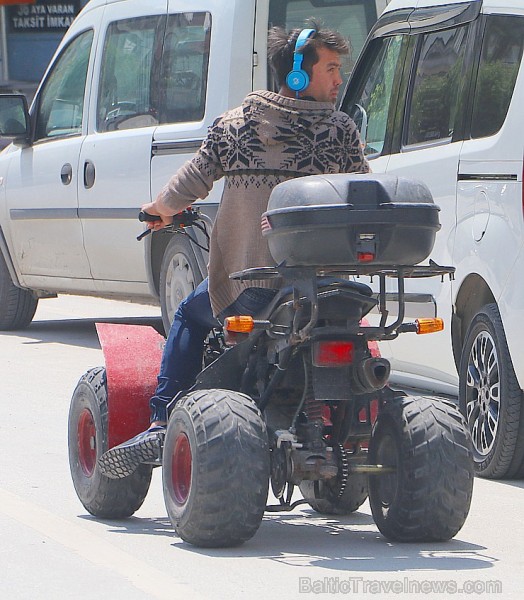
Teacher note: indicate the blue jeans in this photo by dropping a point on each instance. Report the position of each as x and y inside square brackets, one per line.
[184, 349]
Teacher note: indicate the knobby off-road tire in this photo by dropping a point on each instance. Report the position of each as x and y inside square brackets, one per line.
[324, 498]
[216, 468]
[427, 498]
[491, 398]
[17, 306]
[101, 496]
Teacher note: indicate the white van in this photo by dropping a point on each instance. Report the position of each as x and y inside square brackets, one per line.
[126, 100]
[438, 92]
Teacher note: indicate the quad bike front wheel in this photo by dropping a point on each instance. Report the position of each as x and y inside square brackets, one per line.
[426, 445]
[101, 496]
[215, 468]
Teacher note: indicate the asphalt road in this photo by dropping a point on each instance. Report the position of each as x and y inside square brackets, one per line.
[51, 548]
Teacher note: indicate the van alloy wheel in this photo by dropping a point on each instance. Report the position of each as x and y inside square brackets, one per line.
[491, 398]
[483, 393]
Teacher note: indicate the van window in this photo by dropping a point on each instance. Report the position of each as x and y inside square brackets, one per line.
[61, 102]
[124, 97]
[437, 86]
[369, 104]
[352, 18]
[183, 80]
[499, 65]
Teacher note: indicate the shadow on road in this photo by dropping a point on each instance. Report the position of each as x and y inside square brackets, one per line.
[351, 544]
[76, 332]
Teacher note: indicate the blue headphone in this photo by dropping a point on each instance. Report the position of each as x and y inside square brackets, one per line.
[297, 79]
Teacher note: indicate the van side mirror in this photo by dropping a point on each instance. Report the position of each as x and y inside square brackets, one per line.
[360, 117]
[14, 119]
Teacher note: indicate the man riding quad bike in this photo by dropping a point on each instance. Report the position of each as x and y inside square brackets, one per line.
[295, 395]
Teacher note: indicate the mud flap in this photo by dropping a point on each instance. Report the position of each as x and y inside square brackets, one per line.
[132, 356]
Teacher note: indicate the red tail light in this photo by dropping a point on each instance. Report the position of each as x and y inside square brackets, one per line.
[333, 353]
[365, 257]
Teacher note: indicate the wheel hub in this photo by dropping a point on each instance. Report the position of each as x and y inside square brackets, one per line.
[388, 483]
[279, 470]
[179, 282]
[181, 468]
[483, 393]
[86, 436]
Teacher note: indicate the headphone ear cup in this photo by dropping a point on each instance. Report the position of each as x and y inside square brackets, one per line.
[297, 80]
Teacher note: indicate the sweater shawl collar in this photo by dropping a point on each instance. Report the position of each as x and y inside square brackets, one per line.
[275, 118]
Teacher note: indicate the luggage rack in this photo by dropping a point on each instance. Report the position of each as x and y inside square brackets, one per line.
[303, 280]
[397, 271]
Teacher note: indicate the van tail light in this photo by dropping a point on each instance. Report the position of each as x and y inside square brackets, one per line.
[429, 325]
[333, 353]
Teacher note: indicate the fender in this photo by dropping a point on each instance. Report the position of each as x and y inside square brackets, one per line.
[132, 355]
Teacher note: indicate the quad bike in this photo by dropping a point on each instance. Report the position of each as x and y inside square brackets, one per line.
[299, 395]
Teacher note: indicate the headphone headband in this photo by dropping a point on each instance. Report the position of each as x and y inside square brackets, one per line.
[297, 79]
[303, 37]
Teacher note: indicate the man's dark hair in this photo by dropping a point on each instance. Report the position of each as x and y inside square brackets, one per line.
[281, 48]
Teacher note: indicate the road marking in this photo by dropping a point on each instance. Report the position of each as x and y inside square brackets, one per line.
[94, 549]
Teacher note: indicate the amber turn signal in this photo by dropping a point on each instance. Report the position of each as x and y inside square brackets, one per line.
[239, 324]
[429, 325]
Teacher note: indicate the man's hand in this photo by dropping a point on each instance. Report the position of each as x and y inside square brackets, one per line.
[157, 209]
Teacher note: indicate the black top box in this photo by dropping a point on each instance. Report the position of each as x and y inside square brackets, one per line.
[350, 219]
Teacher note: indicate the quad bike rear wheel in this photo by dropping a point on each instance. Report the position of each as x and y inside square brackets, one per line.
[426, 443]
[341, 496]
[215, 468]
[101, 496]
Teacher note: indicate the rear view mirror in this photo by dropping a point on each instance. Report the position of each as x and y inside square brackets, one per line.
[14, 118]
[360, 117]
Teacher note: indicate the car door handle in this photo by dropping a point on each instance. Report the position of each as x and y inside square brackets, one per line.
[89, 174]
[66, 174]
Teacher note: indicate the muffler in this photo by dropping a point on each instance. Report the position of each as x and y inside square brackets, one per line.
[370, 375]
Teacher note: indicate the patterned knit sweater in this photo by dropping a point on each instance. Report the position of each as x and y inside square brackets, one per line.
[268, 139]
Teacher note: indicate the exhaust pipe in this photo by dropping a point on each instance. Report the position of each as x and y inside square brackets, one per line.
[370, 375]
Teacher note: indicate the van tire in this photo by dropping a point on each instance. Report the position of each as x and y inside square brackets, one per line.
[179, 276]
[17, 305]
[486, 366]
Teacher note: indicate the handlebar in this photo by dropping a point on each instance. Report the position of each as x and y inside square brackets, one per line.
[181, 220]
[143, 216]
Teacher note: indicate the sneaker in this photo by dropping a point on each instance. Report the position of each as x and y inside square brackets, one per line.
[123, 460]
